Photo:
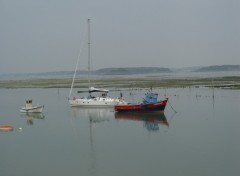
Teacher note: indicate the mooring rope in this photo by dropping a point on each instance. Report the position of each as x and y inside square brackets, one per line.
[172, 106]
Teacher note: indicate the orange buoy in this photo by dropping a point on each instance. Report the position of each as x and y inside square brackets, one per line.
[6, 128]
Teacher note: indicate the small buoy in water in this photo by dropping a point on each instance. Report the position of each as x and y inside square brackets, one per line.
[20, 129]
[6, 128]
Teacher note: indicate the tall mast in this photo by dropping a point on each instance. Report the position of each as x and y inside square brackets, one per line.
[89, 56]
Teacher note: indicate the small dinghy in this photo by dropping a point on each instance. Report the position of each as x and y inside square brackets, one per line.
[6, 128]
[29, 108]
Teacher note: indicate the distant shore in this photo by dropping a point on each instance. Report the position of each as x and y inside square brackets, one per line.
[226, 82]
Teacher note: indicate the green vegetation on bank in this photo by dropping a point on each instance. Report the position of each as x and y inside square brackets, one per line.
[232, 82]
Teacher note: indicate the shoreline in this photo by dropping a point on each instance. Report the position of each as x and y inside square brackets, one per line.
[224, 82]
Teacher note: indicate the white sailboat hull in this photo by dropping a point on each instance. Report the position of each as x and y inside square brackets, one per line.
[35, 109]
[94, 102]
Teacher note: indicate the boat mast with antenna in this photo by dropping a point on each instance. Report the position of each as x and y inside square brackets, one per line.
[89, 56]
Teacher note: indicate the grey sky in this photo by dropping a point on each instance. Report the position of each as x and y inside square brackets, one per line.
[45, 35]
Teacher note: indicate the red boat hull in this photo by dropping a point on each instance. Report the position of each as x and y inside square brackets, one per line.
[158, 106]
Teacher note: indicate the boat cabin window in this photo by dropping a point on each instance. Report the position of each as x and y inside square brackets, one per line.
[104, 94]
[29, 101]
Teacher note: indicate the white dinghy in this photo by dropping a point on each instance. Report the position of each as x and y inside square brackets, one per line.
[29, 108]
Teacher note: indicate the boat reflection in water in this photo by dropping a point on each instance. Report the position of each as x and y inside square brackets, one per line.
[151, 119]
[95, 115]
[98, 115]
[30, 116]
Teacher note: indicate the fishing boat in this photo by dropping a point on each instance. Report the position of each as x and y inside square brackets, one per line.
[100, 99]
[149, 103]
[29, 108]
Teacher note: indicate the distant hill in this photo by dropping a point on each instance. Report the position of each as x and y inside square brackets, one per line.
[216, 68]
[131, 70]
[185, 69]
[121, 71]
[116, 71]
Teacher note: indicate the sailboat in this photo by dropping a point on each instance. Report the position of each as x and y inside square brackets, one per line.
[102, 100]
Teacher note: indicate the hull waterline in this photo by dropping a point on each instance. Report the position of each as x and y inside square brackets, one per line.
[98, 102]
[36, 109]
[149, 107]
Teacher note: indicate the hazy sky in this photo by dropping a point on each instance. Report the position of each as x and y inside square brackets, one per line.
[45, 35]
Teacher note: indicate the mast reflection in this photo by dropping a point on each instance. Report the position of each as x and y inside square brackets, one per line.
[96, 116]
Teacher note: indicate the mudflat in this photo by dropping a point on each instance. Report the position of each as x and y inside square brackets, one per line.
[227, 82]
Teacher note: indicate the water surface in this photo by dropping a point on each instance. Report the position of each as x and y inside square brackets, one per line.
[202, 138]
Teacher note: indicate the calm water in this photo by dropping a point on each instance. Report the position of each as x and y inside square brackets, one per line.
[202, 138]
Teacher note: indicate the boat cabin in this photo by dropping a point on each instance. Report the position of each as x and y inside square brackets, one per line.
[151, 97]
[28, 104]
[98, 92]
